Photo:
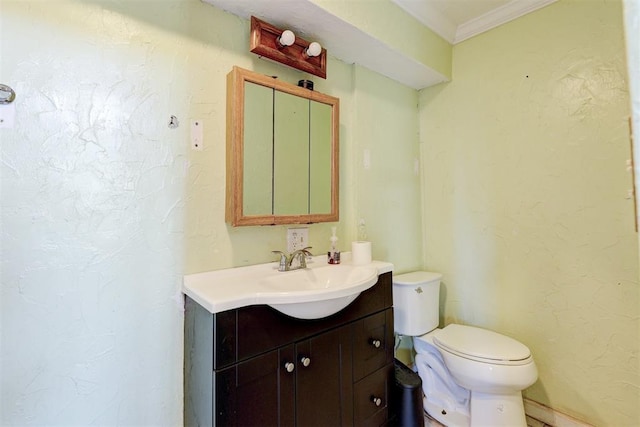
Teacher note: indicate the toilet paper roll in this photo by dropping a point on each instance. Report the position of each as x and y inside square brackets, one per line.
[360, 253]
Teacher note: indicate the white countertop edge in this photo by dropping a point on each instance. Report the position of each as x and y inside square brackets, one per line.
[194, 287]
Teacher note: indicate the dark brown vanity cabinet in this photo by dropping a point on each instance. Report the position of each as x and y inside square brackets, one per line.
[254, 366]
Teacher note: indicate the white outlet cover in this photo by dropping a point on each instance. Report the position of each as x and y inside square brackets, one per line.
[297, 238]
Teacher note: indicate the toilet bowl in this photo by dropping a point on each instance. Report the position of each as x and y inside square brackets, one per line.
[471, 376]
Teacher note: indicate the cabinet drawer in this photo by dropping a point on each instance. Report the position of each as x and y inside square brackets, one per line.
[373, 343]
[371, 398]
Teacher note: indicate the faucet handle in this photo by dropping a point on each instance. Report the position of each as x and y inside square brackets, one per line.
[303, 254]
[283, 260]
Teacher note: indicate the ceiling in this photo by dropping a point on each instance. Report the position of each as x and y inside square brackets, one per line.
[453, 20]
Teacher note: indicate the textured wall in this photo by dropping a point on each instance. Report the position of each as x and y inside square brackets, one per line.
[525, 202]
[104, 207]
[92, 217]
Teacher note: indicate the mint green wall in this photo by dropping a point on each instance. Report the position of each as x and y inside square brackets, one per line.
[105, 208]
[388, 196]
[525, 206]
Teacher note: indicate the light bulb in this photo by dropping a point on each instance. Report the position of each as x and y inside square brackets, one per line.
[286, 38]
[314, 49]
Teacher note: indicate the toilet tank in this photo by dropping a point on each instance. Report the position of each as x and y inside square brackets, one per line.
[416, 302]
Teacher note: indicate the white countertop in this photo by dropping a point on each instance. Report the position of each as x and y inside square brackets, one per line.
[221, 290]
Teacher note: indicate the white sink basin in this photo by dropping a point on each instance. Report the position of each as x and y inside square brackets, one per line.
[312, 293]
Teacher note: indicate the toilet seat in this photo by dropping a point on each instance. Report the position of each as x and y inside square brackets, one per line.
[481, 345]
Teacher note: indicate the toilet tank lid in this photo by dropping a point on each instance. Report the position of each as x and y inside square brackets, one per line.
[416, 278]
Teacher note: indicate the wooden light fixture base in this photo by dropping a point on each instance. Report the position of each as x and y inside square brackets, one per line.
[264, 42]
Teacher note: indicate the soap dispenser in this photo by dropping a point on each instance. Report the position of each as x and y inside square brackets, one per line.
[333, 256]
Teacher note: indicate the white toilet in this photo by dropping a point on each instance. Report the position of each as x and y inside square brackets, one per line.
[470, 376]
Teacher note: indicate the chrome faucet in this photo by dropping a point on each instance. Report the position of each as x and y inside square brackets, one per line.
[286, 261]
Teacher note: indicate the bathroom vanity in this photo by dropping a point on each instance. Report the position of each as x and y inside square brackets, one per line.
[255, 366]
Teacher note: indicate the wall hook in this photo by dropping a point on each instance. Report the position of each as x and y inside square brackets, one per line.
[7, 95]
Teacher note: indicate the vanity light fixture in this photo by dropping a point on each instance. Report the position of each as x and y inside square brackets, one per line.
[285, 47]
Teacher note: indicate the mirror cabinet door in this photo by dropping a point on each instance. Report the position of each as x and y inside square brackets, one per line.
[320, 157]
[258, 150]
[291, 155]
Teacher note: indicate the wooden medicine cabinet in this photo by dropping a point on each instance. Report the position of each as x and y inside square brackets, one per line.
[282, 152]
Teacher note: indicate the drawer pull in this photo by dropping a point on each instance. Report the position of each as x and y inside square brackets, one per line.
[305, 361]
[289, 366]
[376, 400]
[375, 343]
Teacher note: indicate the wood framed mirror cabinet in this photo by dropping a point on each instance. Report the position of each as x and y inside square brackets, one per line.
[282, 152]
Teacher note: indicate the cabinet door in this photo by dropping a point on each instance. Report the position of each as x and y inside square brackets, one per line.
[324, 388]
[257, 392]
[372, 343]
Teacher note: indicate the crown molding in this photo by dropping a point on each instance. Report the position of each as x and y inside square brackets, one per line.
[497, 17]
[436, 21]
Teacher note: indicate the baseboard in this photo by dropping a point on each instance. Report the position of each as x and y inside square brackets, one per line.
[539, 415]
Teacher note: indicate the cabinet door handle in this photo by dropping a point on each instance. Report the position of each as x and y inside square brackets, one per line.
[305, 361]
[376, 343]
[376, 400]
[289, 366]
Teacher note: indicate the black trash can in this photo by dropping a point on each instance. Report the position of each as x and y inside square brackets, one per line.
[406, 398]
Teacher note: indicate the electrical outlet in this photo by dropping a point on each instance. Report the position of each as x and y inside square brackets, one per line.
[297, 238]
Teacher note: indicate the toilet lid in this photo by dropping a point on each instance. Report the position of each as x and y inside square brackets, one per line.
[481, 345]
